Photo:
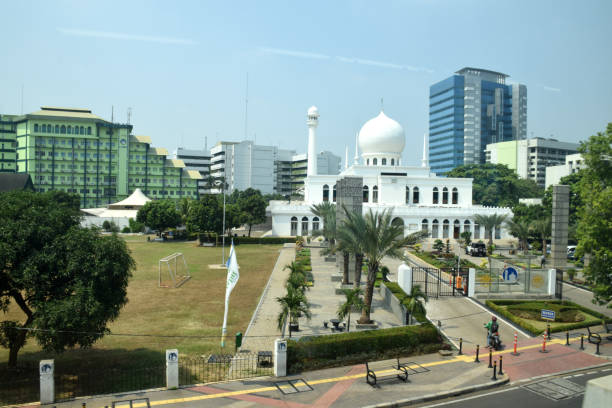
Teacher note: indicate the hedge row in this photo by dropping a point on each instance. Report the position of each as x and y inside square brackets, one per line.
[403, 297]
[496, 306]
[311, 353]
[206, 237]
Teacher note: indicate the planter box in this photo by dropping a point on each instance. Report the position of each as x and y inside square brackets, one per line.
[336, 277]
[330, 259]
[369, 326]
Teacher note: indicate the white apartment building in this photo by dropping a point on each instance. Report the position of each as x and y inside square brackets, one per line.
[573, 163]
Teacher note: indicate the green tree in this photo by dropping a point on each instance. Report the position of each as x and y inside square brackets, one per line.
[594, 230]
[293, 304]
[326, 212]
[438, 245]
[496, 185]
[415, 302]
[159, 215]
[68, 281]
[490, 223]
[205, 215]
[542, 229]
[297, 276]
[466, 236]
[354, 302]
[349, 243]
[253, 207]
[519, 229]
[136, 226]
[183, 205]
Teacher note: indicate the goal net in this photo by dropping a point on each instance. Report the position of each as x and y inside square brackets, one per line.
[173, 271]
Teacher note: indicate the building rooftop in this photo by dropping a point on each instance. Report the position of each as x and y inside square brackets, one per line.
[65, 112]
[466, 70]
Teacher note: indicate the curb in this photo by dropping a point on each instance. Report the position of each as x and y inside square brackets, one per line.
[440, 395]
[560, 373]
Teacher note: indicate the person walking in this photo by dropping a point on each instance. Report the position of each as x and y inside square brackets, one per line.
[542, 260]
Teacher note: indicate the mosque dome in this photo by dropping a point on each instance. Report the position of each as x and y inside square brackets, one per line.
[313, 110]
[381, 135]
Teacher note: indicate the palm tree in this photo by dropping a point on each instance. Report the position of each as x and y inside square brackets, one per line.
[293, 304]
[490, 222]
[542, 228]
[519, 229]
[379, 238]
[353, 302]
[297, 281]
[415, 304]
[349, 242]
[326, 211]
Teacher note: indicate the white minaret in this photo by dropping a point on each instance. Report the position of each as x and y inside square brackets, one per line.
[313, 122]
[424, 164]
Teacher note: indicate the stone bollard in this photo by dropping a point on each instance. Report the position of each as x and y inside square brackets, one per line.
[47, 386]
[280, 358]
[172, 369]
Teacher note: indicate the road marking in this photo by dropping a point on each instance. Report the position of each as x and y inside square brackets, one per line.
[471, 398]
[606, 370]
[500, 318]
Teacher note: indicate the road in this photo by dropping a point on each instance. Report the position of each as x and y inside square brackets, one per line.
[531, 394]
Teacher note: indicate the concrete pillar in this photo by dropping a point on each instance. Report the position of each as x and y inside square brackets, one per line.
[404, 278]
[552, 281]
[280, 358]
[471, 282]
[598, 391]
[172, 369]
[349, 193]
[560, 222]
[47, 386]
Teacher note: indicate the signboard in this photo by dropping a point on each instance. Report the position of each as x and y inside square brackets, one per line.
[548, 314]
[510, 274]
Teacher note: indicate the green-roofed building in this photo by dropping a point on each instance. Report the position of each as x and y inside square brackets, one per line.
[76, 151]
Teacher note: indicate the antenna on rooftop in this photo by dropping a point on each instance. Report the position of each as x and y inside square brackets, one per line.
[246, 106]
[22, 99]
[205, 142]
[382, 105]
[112, 113]
[129, 116]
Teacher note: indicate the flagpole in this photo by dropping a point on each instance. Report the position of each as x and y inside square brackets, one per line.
[233, 274]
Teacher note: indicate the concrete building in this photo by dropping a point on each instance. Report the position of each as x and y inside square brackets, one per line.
[197, 160]
[554, 174]
[529, 158]
[246, 165]
[327, 163]
[469, 110]
[420, 200]
[8, 144]
[75, 151]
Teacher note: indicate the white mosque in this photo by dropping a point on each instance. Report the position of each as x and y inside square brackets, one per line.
[419, 199]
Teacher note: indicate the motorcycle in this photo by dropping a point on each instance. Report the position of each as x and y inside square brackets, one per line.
[496, 341]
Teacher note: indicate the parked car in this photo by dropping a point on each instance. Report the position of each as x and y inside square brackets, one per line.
[571, 252]
[476, 249]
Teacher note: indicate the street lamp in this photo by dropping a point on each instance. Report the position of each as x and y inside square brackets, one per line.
[222, 182]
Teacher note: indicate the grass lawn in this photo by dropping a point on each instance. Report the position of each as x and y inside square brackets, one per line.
[195, 309]
[540, 325]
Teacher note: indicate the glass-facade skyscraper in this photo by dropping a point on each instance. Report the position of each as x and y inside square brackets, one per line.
[469, 110]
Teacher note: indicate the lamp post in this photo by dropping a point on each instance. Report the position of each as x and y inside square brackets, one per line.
[222, 182]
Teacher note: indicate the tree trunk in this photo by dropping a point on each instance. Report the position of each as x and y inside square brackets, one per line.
[14, 349]
[345, 268]
[250, 226]
[365, 312]
[348, 325]
[358, 266]
[544, 246]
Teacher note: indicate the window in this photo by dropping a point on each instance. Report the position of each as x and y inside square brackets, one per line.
[415, 195]
[57, 129]
[44, 129]
[36, 127]
[384, 162]
[334, 194]
[82, 130]
[304, 226]
[407, 195]
[393, 162]
[89, 130]
[456, 229]
[63, 130]
[315, 224]
[375, 194]
[445, 195]
[455, 195]
[69, 130]
[49, 128]
[434, 229]
[325, 192]
[445, 228]
[424, 225]
[368, 162]
[294, 225]
[374, 161]
[476, 231]
[435, 195]
[366, 194]
[466, 226]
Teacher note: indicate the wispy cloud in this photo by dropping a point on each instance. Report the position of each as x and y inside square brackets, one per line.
[550, 88]
[347, 60]
[123, 36]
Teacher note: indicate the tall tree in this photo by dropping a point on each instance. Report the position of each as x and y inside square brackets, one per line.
[490, 223]
[205, 215]
[520, 230]
[159, 215]
[594, 227]
[348, 236]
[353, 302]
[293, 304]
[68, 281]
[542, 228]
[253, 207]
[326, 211]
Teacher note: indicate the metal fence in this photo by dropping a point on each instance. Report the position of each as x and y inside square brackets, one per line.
[19, 385]
[215, 368]
[503, 280]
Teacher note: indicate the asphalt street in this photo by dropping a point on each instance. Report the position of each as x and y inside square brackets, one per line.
[565, 391]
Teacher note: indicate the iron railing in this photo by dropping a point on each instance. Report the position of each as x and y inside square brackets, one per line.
[216, 367]
[19, 385]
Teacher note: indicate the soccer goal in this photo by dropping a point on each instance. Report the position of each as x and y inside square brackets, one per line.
[178, 272]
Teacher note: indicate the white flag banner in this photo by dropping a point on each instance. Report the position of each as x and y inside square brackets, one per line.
[233, 274]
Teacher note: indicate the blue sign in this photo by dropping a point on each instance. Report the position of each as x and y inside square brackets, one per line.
[510, 274]
[548, 314]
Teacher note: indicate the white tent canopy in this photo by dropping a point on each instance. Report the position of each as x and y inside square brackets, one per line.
[133, 202]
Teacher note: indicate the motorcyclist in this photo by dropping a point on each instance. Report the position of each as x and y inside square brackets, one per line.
[492, 327]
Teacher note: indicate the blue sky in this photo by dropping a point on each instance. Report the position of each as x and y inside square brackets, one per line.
[181, 66]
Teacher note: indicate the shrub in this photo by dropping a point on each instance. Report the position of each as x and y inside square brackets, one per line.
[126, 230]
[106, 225]
[357, 347]
[403, 297]
[571, 273]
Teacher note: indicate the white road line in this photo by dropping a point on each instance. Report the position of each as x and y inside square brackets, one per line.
[578, 375]
[606, 370]
[470, 398]
[499, 317]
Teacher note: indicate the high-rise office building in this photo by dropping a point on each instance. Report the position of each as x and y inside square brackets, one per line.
[75, 151]
[469, 110]
[327, 163]
[197, 160]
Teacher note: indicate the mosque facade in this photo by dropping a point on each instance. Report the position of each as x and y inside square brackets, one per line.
[419, 199]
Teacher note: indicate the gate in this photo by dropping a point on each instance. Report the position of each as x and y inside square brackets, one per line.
[441, 282]
[559, 285]
[224, 367]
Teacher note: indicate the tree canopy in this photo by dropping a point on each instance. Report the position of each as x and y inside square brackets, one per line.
[252, 205]
[159, 215]
[594, 227]
[496, 185]
[205, 214]
[68, 281]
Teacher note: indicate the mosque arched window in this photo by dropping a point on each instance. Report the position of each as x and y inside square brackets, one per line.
[374, 161]
[393, 162]
[375, 194]
[476, 234]
[44, 128]
[466, 226]
[445, 195]
[57, 129]
[69, 130]
[425, 225]
[366, 194]
[368, 162]
[455, 197]
[434, 229]
[456, 229]
[315, 224]
[435, 197]
[82, 130]
[334, 194]
[89, 130]
[63, 129]
[407, 195]
[36, 127]
[294, 225]
[384, 162]
[325, 192]
[304, 226]
[445, 228]
[415, 195]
